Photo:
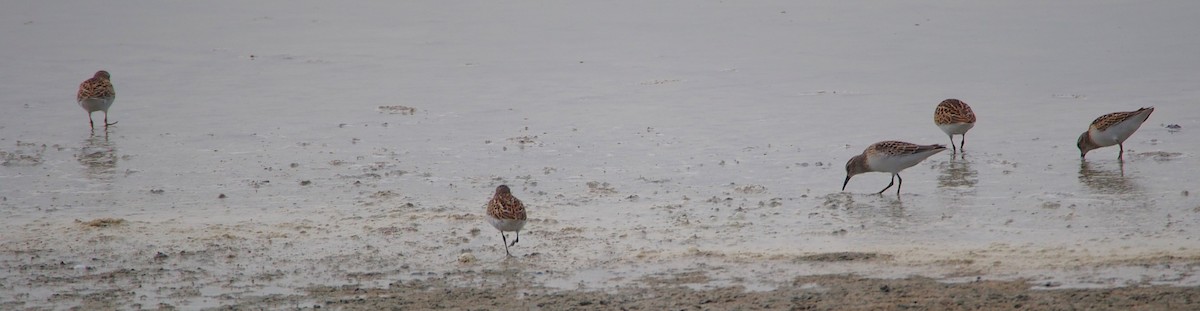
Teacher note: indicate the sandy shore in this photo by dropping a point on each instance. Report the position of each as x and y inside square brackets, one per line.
[835, 292]
[671, 292]
[112, 263]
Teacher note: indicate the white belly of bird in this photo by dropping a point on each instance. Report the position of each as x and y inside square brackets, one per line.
[956, 128]
[1118, 133]
[897, 163]
[506, 224]
[96, 104]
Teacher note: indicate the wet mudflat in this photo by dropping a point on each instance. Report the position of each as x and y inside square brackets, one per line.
[302, 155]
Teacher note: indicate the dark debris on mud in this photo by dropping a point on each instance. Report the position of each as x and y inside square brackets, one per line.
[828, 292]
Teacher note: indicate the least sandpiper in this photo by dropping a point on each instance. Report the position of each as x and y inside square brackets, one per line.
[1112, 129]
[506, 213]
[889, 157]
[955, 118]
[97, 94]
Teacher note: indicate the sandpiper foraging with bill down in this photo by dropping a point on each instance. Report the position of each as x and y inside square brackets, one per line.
[954, 117]
[889, 157]
[1112, 129]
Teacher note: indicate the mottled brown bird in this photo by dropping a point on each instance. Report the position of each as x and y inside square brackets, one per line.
[97, 94]
[1112, 129]
[506, 213]
[954, 117]
[889, 157]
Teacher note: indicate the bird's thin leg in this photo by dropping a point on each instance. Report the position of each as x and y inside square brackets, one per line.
[505, 238]
[901, 184]
[889, 185]
[1121, 156]
[106, 124]
[518, 238]
[952, 150]
[90, 122]
[963, 144]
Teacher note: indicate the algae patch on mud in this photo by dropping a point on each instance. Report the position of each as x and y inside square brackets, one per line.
[102, 222]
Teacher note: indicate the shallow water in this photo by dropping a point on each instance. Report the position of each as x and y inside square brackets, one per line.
[685, 137]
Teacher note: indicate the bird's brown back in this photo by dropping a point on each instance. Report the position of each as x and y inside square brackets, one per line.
[96, 87]
[953, 111]
[504, 205]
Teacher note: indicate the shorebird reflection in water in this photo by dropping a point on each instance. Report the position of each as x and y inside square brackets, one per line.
[957, 173]
[1106, 181]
